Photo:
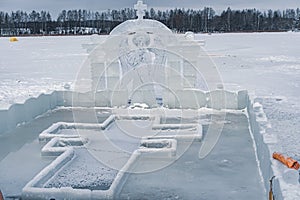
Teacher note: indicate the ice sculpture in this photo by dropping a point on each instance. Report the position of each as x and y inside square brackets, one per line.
[144, 62]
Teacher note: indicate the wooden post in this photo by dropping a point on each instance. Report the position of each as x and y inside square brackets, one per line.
[271, 196]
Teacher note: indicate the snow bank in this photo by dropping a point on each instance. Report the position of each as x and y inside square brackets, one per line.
[262, 151]
[265, 143]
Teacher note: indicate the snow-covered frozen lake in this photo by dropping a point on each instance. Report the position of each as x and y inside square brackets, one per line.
[266, 64]
[35, 65]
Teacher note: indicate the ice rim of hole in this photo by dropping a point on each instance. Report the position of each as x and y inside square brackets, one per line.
[135, 46]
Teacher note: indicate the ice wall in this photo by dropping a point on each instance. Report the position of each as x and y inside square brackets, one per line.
[182, 99]
[32, 108]
[263, 141]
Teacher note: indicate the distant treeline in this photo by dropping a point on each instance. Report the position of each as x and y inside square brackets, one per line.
[180, 20]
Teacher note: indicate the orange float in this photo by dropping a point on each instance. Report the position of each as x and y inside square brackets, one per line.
[288, 161]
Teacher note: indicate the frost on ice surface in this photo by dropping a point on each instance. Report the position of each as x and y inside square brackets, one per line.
[84, 172]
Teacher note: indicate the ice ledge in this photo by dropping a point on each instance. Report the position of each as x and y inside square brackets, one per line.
[286, 181]
[34, 107]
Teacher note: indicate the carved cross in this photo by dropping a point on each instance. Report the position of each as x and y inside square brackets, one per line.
[140, 7]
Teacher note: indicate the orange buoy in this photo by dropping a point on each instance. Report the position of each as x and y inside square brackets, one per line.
[288, 161]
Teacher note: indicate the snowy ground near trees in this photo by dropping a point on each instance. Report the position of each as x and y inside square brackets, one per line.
[266, 64]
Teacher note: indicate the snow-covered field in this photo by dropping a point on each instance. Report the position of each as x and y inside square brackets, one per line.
[36, 65]
[266, 64]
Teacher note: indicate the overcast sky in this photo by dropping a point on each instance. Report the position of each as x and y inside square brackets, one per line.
[55, 6]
